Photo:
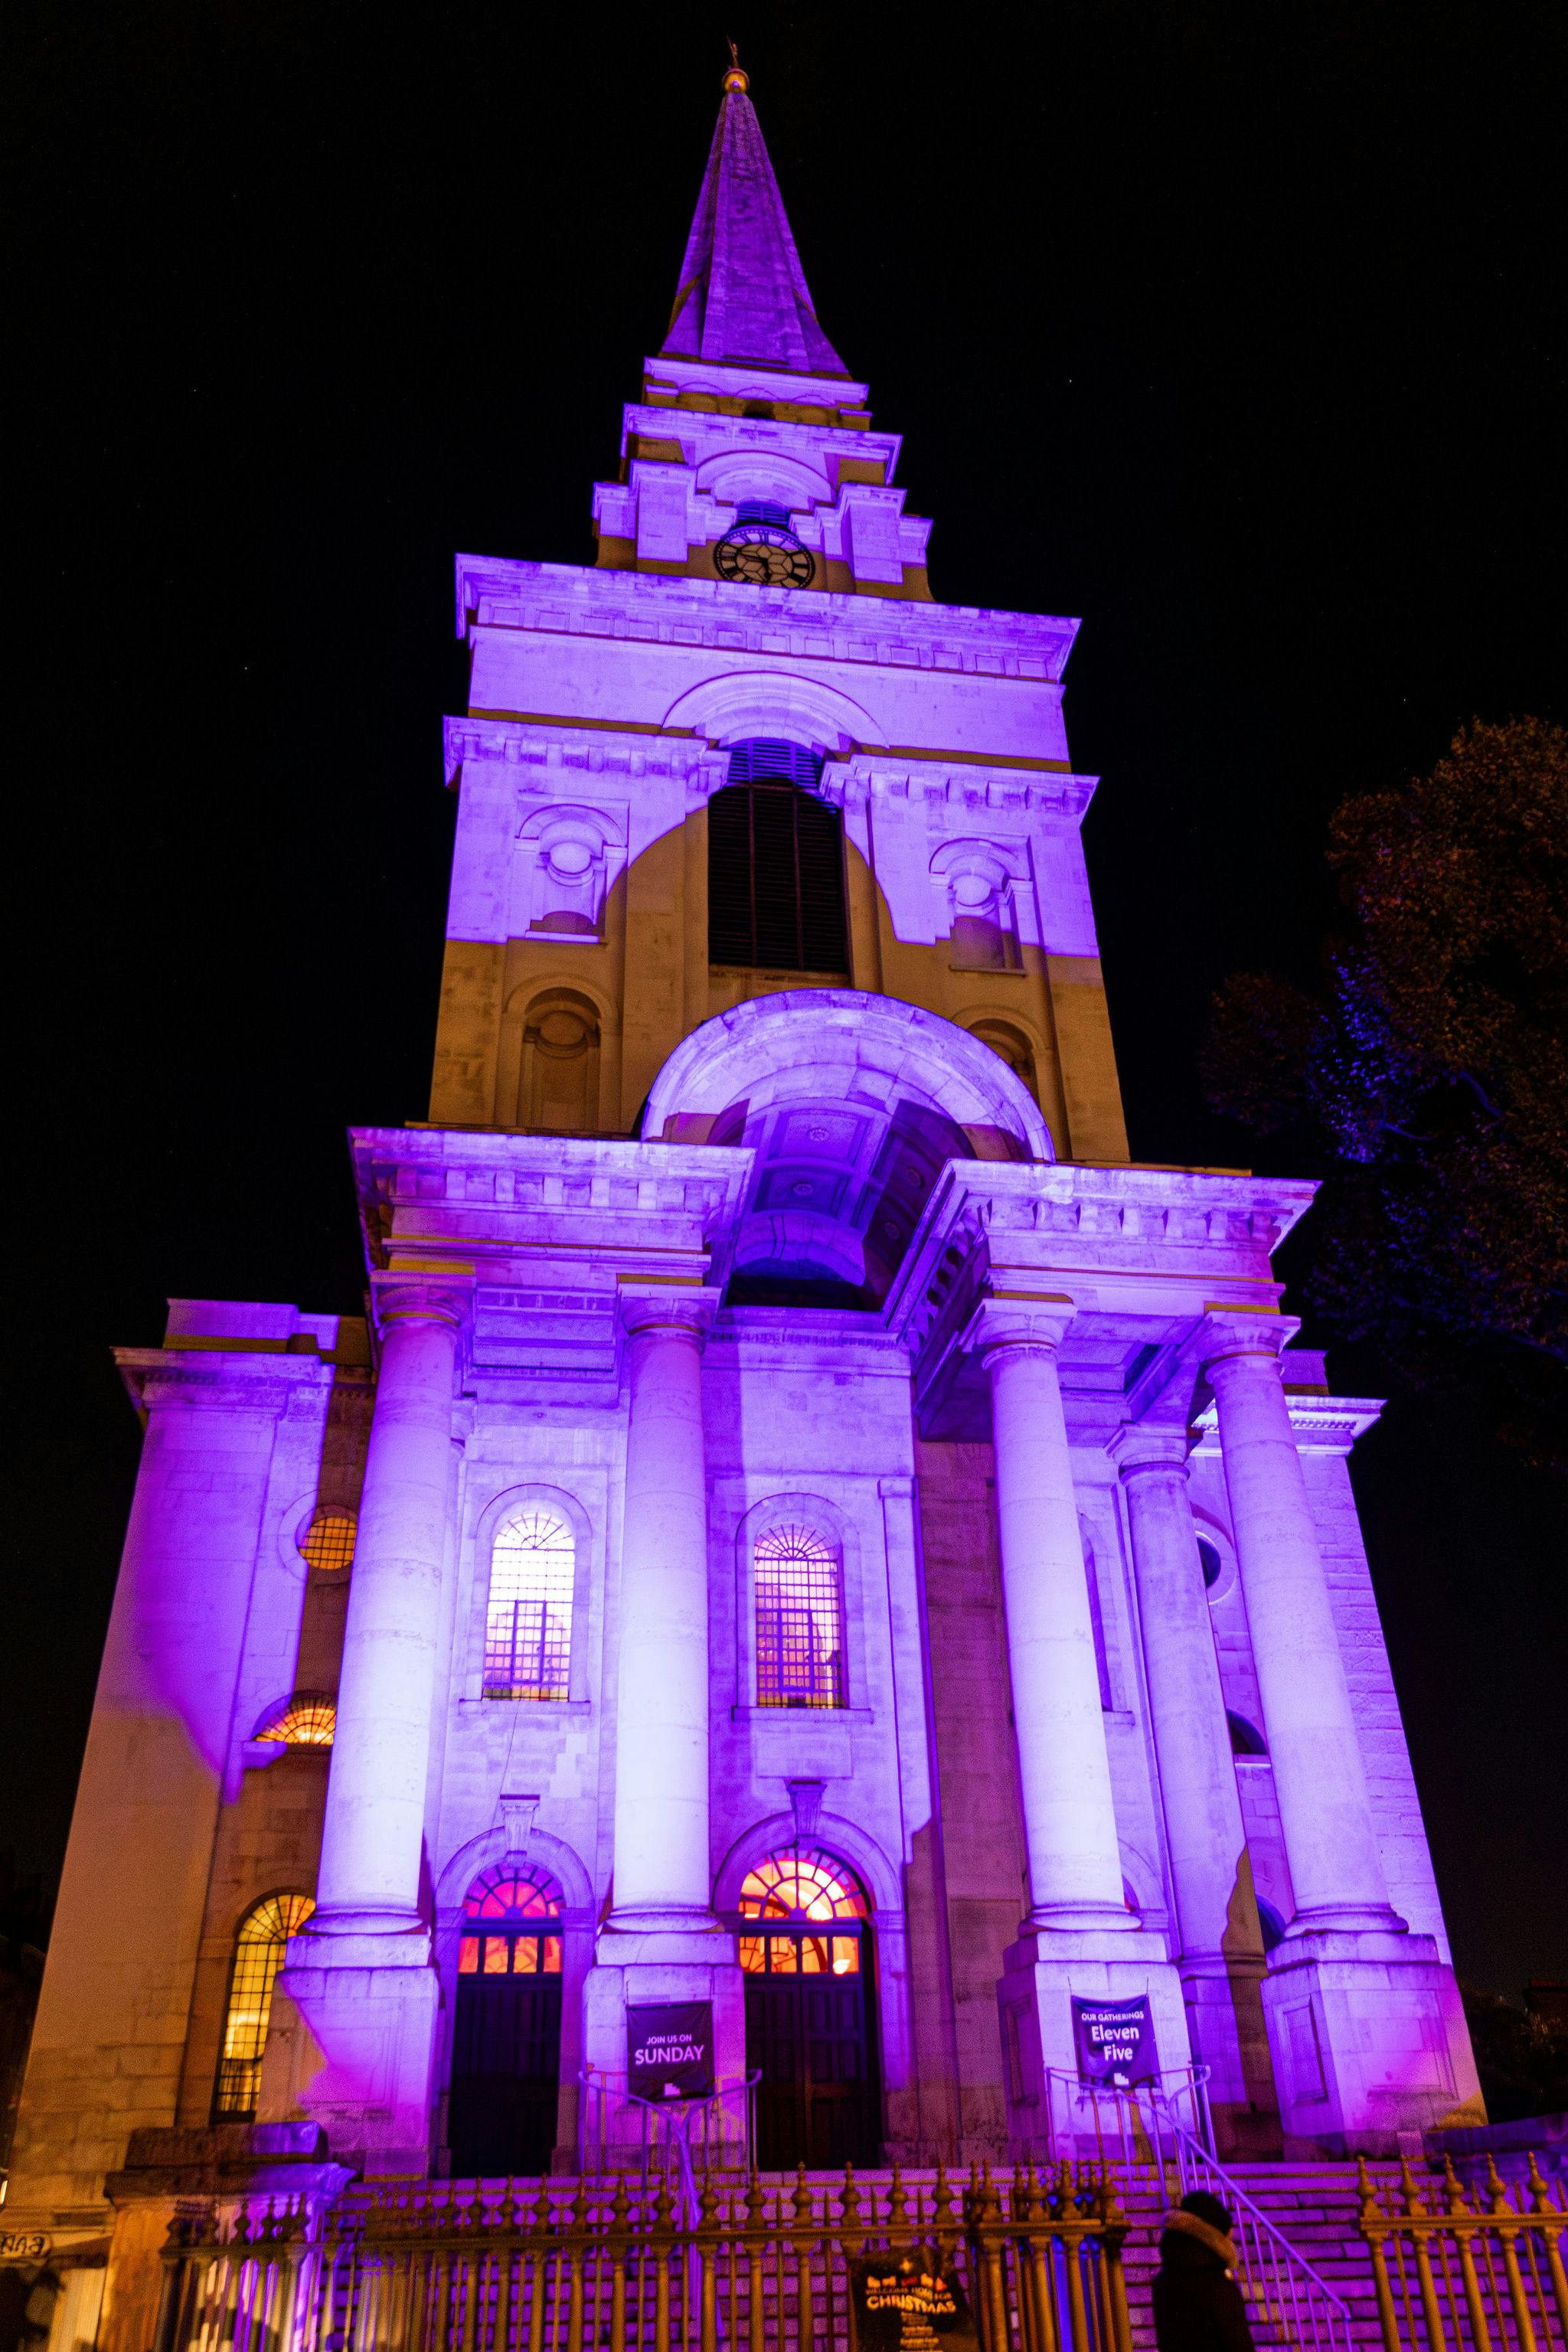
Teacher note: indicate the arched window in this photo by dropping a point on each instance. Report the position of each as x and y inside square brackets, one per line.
[512, 1923]
[806, 1950]
[799, 1599]
[328, 1543]
[257, 1956]
[1246, 1739]
[528, 1624]
[1272, 1925]
[506, 2028]
[775, 865]
[800, 1893]
[308, 1720]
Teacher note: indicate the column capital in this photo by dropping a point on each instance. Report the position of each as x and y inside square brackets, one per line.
[1136, 1447]
[1243, 1331]
[422, 1295]
[1034, 1322]
[685, 1308]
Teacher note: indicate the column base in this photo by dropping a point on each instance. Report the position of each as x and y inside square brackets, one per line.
[1369, 2041]
[689, 1957]
[1041, 1972]
[352, 2046]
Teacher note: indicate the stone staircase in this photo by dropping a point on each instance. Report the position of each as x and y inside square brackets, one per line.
[1314, 2206]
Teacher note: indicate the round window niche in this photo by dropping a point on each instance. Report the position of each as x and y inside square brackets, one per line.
[1218, 1566]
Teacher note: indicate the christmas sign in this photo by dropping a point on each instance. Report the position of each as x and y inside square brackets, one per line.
[910, 2303]
[1115, 2043]
[669, 2050]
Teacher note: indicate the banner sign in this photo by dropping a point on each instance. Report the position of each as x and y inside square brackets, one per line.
[1115, 2043]
[910, 2303]
[669, 2051]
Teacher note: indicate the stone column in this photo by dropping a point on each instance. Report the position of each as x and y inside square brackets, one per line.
[661, 1858]
[1069, 1821]
[1361, 2013]
[1079, 1938]
[374, 1824]
[1314, 1742]
[1219, 1942]
[356, 2021]
[661, 1942]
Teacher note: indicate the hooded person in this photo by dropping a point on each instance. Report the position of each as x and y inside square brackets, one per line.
[1198, 2306]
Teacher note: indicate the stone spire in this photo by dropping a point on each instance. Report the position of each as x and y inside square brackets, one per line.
[743, 291]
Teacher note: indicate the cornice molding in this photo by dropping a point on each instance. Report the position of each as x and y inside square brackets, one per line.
[218, 1380]
[678, 609]
[1323, 1424]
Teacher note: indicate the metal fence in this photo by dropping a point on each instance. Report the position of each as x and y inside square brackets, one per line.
[574, 2266]
[1455, 2274]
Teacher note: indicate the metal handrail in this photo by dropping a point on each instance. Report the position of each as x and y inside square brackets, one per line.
[1273, 2274]
[1129, 2120]
[602, 2083]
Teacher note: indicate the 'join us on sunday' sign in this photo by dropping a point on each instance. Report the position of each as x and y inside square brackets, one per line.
[669, 2050]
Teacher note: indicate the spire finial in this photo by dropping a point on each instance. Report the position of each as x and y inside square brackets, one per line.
[737, 76]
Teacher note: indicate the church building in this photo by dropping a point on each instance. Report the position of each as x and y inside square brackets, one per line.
[815, 1569]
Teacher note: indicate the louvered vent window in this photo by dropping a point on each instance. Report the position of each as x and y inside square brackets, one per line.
[775, 865]
[762, 510]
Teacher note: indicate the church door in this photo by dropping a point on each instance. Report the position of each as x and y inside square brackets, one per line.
[506, 2040]
[810, 2017]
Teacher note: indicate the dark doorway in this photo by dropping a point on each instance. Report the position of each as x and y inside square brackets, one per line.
[810, 2014]
[506, 2038]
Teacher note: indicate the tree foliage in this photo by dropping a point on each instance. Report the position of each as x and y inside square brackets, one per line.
[1521, 2057]
[1428, 1075]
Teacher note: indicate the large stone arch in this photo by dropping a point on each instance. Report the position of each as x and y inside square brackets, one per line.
[801, 1045]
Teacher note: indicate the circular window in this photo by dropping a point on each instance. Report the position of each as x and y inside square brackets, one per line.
[328, 1543]
[1212, 1564]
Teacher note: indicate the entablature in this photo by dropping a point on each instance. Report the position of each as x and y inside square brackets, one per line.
[656, 608]
[1136, 1257]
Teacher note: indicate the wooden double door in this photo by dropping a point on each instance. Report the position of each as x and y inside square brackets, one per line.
[506, 2055]
[810, 2034]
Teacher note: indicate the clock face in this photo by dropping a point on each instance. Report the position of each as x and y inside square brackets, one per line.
[766, 557]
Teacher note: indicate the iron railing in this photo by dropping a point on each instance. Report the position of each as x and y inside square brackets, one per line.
[1457, 2274]
[559, 2266]
[1142, 2129]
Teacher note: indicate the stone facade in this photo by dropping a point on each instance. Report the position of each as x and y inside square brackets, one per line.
[693, 1252]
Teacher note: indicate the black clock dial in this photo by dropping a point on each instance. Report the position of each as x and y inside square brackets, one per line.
[764, 556]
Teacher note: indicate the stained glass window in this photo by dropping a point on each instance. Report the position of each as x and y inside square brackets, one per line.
[257, 1956]
[528, 1625]
[329, 1541]
[308, 1720]
[800, 1619]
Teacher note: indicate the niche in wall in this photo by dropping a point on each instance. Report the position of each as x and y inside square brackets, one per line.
[559, 1082]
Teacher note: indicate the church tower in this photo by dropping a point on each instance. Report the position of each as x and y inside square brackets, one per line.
[815, 1568]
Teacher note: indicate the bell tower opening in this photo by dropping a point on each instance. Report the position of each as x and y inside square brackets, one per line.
[775, 865]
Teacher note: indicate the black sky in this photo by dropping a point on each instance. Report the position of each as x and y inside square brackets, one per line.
[1235, 329]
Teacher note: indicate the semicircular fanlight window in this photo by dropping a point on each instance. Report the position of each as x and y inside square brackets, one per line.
[308, 1720]
[802, 1883]
[513, 1890]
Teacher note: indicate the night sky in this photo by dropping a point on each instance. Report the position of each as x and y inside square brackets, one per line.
[1231, 328]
